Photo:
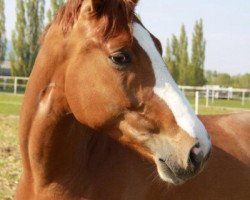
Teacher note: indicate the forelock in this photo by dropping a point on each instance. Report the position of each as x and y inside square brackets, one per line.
[113, 17]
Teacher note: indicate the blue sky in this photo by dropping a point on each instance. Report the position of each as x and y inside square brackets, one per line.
[226, 27]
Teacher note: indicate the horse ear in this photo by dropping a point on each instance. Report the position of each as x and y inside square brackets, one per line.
[134, 2]
[92, 6]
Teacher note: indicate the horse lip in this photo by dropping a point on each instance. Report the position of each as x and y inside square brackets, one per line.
[178, 179]
[175, 178]
[165, 164]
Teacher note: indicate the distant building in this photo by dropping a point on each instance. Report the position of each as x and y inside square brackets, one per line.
[218, 92]
[5, 69]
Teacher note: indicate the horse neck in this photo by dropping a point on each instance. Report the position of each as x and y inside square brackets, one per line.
[52, 141]
[60, 153]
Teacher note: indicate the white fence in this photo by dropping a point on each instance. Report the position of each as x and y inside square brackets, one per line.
[13, 85]
[17, 85]
[212, 92]
[216, 92]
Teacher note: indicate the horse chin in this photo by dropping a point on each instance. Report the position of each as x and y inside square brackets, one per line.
[167, 175]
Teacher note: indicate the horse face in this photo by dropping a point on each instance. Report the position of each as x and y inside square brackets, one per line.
[121, 86]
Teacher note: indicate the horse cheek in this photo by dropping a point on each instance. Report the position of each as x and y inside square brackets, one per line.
[92, 105]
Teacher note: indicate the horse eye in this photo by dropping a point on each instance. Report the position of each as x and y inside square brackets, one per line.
[120, 58]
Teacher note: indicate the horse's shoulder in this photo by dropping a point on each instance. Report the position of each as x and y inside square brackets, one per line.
[231, 133]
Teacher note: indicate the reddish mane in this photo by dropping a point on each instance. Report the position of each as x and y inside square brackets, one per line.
[111, 18]
[68, 14]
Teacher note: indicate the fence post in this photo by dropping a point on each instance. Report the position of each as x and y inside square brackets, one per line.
[243, 98]
[15, 85]
[183, 90]
[213, 96]
[4, 83]
[207, 97]
[196, 102]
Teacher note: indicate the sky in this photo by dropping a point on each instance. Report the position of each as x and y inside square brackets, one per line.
[226, 27]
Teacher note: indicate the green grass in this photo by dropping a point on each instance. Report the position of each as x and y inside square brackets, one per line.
[10, 166]
[10, 104]
[215, 110]
[220, 106]
[233, 103]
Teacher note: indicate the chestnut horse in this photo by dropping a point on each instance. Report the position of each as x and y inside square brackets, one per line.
[101, 113]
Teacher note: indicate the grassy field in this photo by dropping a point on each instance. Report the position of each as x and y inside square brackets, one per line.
[10, 166]
[220, 106]
[10, 104]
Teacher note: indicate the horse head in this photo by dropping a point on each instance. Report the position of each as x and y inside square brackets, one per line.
[115, 81]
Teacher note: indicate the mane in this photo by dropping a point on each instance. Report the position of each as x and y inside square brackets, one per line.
[68, 14]
[111, 19]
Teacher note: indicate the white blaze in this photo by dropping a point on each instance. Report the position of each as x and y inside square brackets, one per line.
[168, 91]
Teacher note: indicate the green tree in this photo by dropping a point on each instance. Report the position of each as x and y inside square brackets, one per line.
[18, 55]
[172, 57]
[177, 57]
[29, 25]
[224, 80]
[244, 81]
[198, 56]
[211, 77]
[35, 19]
[183, 57]
[54, 6]
[3, 39]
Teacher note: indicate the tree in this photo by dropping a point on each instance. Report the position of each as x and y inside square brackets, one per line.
[172, 57]
[177, 57]
[225, 80]
[29, 25]
[244, 81]
[55, 5]
[35, 19]
[18, 55]
[198, 56]
[183, 57]
[211, 77]
[3, 39]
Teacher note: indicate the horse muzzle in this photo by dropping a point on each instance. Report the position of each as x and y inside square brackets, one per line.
[173, 172]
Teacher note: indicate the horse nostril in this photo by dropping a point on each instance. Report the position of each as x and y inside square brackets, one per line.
[161, 160]
[196, 155]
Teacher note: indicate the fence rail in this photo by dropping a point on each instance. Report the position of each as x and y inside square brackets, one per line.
[213, 92]
[13, 85]
[17, 85]
[216, 92]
